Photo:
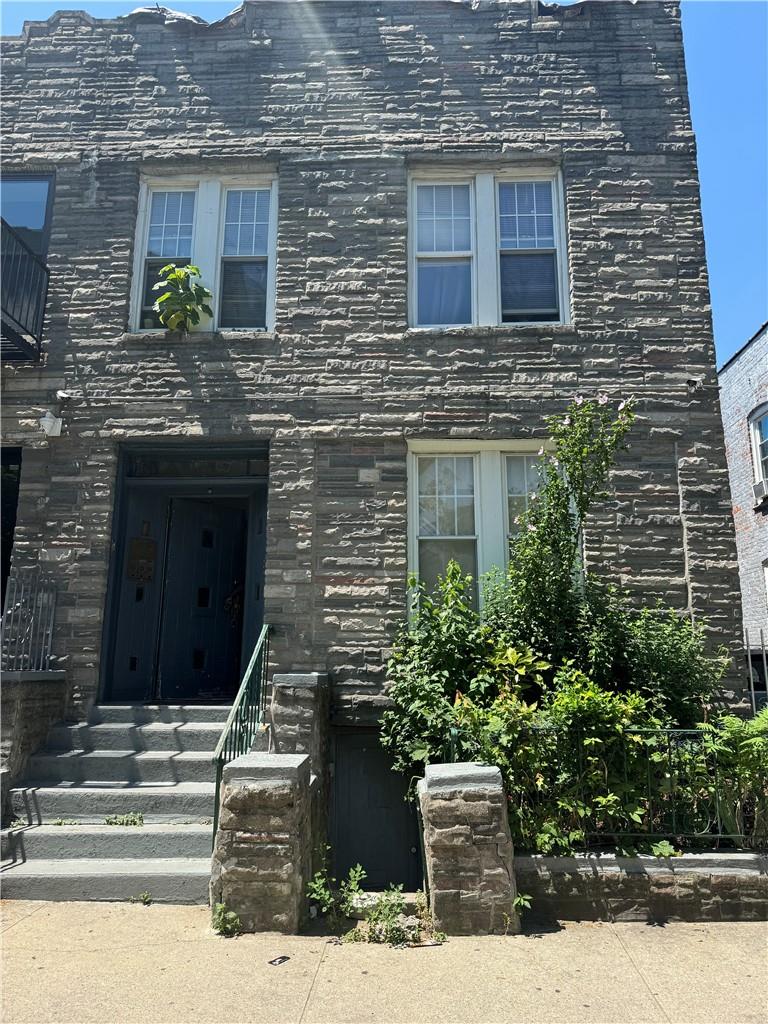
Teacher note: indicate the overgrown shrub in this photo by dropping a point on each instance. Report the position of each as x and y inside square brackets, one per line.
[562, 680]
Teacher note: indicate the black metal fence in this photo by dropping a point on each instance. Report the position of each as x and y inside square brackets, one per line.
[24, 294]
[26, 638]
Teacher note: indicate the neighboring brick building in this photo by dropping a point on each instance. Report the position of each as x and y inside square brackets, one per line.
[349, 175]
[744, 403]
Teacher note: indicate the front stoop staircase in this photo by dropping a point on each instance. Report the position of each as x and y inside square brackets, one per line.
[126, 759]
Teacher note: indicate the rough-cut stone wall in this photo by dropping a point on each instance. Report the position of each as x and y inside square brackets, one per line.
[262, 853]
[468, 850]
[744, 387]
[342, 99]
[721, 886]
[31, 703]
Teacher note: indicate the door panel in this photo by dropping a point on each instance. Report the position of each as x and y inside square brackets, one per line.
[140, 587]
[371, 821]
[202, 609]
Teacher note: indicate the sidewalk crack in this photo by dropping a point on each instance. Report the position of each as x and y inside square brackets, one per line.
[641, 973]
[312, 986]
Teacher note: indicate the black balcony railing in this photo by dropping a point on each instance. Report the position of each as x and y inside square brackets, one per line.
[24, 289]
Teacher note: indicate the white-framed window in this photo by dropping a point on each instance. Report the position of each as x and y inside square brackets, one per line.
[487, 249]
[225, 226]
[464, 498]
[758, 423]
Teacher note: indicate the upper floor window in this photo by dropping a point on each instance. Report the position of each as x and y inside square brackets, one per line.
[226, 227]
[488, 249]
[759, 425]
[27, 201]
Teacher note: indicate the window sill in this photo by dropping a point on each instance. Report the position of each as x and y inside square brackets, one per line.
[196, 337]
[495, 331]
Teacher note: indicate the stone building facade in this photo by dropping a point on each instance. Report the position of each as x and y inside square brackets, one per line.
[744, 401]
[340, 107]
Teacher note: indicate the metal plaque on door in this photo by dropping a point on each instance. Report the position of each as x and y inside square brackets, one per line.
[142, 555]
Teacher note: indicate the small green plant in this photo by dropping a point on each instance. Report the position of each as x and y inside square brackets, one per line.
[225, 922]
[664, 849]
[143, 897]
[132, 818]
[182, 300]
[522, 902]
[18, 823]
[337, 901]
[64, 821]
[387, 921]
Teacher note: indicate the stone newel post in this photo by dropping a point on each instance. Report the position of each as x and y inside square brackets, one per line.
[262, 853]
[468, 849]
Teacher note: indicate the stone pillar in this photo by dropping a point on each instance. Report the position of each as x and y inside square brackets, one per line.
[262, 855]
[298, 716]
[468, 850]
[298, 722]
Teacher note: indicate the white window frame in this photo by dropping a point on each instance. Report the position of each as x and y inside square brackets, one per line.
[491, 525]
[486, 265]
[207, 239]
[754, 418]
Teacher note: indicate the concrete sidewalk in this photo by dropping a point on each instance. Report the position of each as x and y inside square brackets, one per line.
[117, 963]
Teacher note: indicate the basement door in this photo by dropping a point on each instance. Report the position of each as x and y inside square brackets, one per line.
[180, 598]
[371, 821]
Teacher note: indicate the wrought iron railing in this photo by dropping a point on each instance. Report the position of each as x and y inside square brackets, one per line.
[27, 624]
[24, 294]
[244, 718]
[697, 788]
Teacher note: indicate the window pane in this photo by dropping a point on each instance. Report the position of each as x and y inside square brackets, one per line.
[171, 215]
[446, 495]
[243, 293]
[434, 556]
[528, 287]
[522, 482]
[24, 207]
[246, 222]
[443, 218]
[149, 319]
[444, 291]
[526, 215]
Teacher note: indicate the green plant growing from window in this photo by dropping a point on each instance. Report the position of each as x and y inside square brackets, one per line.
[182, 299]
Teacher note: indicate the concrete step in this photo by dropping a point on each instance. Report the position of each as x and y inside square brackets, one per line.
[142, 714]
[66, 842]
[41, 803]
[78, 766]
[171, 736]
[167, 880]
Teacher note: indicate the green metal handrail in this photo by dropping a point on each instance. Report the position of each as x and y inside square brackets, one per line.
[245, 716]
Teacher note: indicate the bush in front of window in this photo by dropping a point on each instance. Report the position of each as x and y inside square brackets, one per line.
[183, 299]
[561, 681]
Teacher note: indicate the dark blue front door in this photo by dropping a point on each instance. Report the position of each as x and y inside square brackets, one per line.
[182, 590]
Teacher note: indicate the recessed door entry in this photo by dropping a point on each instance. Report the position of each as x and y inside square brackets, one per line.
[182, 589]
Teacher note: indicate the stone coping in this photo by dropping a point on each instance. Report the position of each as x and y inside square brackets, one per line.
[704, 862]
[300, 680]
[449, 778]
[51, 676]
[260, 767]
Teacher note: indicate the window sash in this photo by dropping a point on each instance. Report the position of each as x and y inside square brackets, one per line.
[488, 246]
[208, 241]
[760, 446]
[492, 529]
[431, 258]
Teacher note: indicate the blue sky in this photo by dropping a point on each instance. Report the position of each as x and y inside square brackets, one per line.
[726, 43]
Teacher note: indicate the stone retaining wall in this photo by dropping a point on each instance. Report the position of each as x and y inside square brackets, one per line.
[31, 703]
[720, 886]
